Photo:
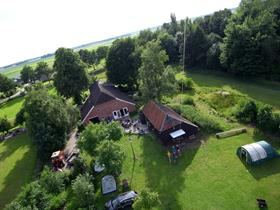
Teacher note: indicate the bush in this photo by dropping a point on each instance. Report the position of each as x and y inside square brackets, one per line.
[146, 200]
[185, 83]
[33, 196]
[58, 201]
[206, 122]
[265, 119]
[79, 167]
[53, 182]
[5, 125]
[247, 112]
[187, 100]
[83, 191]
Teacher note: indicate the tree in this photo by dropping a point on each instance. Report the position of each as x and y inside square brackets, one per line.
[91, 137]
[248, 112]
[48, 121]
[146, 200]
[7, 85]
[168, 43]
[5, 125]
[53, 182]
[20, 119]
[110, 154]
[87, 56]
[27, 74]
[122, 63]
[83, 190]
[33, 196]
[114, 131]
[251, 44]
[265, 118]
[98, 132]
[79, 167]
[42, 70]
[197, 46]
[145, 36]
[101, 53]
[71, 77]
[155, 80]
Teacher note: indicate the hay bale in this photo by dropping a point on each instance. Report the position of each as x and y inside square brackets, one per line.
[230, 133]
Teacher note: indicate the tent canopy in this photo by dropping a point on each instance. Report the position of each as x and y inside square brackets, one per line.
[257, 152]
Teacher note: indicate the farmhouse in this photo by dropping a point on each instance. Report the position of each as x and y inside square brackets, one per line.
[169, 126]
[106, 102]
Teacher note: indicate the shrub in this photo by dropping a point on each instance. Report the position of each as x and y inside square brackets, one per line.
[83, 191]
[33, 196]
[110, 154]
[53, 182]
[247, 112]
[206, 122]
[265, 120]
[146, 200]
[58, 201]
[187, 100]
[5, 125]
[185, 83]
[79, 167]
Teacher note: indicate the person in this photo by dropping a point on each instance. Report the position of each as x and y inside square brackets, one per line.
[178, 150]
[169, 156]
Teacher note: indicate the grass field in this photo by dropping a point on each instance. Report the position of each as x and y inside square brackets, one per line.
[209, 177]
[15, 71]
[263, 91]
[17, 165]
[11, 108]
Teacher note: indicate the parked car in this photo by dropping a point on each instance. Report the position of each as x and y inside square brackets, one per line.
[121, 201]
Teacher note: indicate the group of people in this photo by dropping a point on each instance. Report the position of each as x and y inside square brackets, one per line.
[173, 153]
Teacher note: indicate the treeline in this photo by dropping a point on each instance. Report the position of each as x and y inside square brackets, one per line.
[244, 43]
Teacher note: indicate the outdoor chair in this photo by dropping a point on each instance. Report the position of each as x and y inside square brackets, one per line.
[261, 203]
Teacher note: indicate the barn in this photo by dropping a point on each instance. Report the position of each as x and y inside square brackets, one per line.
[106, 102]
[169, 126]
[256, 153]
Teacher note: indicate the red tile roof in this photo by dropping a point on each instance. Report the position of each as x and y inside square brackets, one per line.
[162, 117]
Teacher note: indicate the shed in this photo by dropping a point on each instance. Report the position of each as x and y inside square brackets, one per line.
[256, 153]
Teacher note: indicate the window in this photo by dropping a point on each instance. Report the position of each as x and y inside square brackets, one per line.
[115, 113]
[125, 110]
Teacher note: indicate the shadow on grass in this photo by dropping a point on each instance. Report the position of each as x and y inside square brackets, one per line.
[265, 169]
[165, 178]
[21, 173]
[10, 145]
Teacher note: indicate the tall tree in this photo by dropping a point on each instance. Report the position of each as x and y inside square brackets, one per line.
[251, 46]
[42, 70]
[197, 46]
[7, 85]
[155, 80]
[101, 53]
[168, 43]
[27, 74]
[110, 154]
[5, 125]
[122, 63]
[71, 77]
[87, 56]
[48, 121]
[83, 190]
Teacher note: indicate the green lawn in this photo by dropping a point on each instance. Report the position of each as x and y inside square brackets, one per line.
[209, 177]
[17, 166]
[11, 108]
[264, 91]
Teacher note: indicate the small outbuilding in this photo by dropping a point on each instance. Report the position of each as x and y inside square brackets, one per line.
[256, 153]
[168, 125]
